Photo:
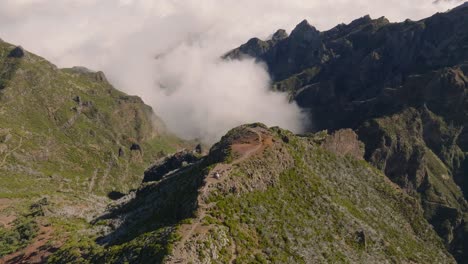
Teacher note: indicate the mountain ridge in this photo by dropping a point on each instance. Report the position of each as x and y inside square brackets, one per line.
[402, 87]
[379, 178]
[69, 141]
[232, 206]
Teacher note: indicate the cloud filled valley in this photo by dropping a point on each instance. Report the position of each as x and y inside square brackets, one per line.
[168, 52]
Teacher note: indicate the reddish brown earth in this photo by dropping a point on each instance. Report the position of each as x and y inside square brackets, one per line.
[35, 253]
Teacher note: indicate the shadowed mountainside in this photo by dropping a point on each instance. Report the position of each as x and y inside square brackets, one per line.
[402, 87]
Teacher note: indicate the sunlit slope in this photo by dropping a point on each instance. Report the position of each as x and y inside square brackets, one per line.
[69, 130]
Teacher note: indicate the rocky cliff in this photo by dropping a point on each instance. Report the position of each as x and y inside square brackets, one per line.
[402, 87]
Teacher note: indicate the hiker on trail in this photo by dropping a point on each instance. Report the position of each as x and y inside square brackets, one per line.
[217, 175]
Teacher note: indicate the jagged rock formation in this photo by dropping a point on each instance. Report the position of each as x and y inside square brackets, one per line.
[402, 86]
[279, 198]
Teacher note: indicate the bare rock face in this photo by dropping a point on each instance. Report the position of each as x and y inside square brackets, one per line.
[343, 143]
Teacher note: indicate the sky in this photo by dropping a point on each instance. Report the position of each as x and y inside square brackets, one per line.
[168, 51]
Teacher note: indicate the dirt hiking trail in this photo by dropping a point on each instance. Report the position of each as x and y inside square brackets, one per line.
[242, 150]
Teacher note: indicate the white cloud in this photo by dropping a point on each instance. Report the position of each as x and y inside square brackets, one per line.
[122, 37]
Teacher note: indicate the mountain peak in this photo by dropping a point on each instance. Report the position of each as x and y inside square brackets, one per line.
[279, 35]
[362, 20]
[303, 26]
[305, 31]
[304, 23]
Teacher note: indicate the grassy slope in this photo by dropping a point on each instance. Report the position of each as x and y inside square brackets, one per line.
[295, 203]
[54, 145]
[46, 145]
[318, 208]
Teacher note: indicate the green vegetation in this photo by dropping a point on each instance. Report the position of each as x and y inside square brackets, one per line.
[70, 136]
[318, 211]
[293, 84]
[70, 131]
[418, 150]
[293, 203]
[12, 240]
[148, 248]
[152, 232]
[23, 229]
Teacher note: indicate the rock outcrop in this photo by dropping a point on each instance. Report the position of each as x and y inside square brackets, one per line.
[344, 143]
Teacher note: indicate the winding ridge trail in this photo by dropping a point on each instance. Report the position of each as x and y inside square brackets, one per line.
[188, 231]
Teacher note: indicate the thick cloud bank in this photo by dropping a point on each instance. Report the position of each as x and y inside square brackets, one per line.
[207, 96]
[167, 51]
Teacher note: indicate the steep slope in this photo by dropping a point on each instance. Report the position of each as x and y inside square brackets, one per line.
[70, 128]
[69, 137]
[402, 86]
[265, 195]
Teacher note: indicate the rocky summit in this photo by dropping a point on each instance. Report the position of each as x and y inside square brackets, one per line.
[89, 174]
